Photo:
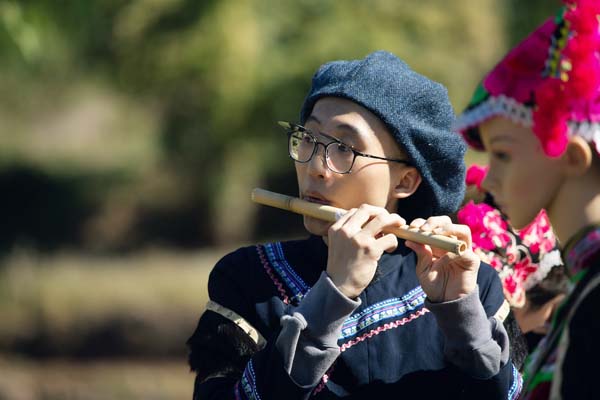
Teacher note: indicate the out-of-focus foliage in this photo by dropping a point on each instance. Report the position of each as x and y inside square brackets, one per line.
[149, 121]
[68, 305]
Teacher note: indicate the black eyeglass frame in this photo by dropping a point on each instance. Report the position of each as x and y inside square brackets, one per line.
[290, 127]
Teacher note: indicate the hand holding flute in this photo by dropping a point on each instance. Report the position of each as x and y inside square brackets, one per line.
[358, 237]
[332, 214]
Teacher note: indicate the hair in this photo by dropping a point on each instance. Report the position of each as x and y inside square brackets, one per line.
[519, 348]
[224, 351]
[554, 284]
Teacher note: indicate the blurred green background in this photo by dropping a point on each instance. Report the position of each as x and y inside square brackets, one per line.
[131, 134]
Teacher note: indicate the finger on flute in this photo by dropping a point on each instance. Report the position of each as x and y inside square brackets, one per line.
[331, 214]
[447, 243]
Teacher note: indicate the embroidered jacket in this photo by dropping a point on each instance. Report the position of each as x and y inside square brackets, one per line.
[562, 365]
[390, 342]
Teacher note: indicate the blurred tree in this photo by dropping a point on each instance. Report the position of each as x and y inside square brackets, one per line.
[226, 76]
[524, 18]
[204, 83]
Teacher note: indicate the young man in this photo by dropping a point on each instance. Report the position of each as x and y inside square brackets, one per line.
[352, 311]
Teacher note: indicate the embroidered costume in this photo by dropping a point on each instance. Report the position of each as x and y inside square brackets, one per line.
[394, 343]
[550, 82]
[556, 369]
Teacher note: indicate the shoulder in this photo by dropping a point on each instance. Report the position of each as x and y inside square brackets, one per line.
[228, 268]
[258, 269]
[231, 262]
[256, 255]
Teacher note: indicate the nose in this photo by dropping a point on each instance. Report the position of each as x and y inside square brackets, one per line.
[317, 166]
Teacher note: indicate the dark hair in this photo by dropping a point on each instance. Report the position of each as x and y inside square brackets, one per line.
[555, 283]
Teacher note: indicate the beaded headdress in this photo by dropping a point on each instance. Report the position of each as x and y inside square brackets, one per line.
[549, 82]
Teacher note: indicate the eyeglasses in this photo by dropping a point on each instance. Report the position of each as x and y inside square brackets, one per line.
[339, 156]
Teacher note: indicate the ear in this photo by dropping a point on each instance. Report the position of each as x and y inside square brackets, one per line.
[407, 182]
[578, 156]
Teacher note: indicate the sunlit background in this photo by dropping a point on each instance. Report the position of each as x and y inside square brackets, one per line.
[131, 134]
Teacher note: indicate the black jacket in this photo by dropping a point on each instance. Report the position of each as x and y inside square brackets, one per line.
[391, 344]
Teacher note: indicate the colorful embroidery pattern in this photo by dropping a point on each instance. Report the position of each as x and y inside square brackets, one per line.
[522, 258]
[490, 107]
[369, 335]
[276, 260]
[383, 311]
[271, 274]
[383, 328]
[324, 381]
[549, 82]
[248, 383]
[288, 281]
[391, 313]
[517, 384]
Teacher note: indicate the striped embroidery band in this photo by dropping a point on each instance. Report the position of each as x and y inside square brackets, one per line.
[383, 328]
[517, 384]
[382, 312]
[248, 383]
[293, 282]
[271, 274]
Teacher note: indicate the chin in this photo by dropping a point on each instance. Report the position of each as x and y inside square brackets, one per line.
[521, 221]
[316, 226]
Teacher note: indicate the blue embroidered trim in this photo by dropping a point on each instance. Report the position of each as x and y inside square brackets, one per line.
[292, 280]
[382, 311]
[517, 384]
[248, 382]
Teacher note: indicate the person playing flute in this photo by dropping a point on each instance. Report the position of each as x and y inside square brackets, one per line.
[353, 311]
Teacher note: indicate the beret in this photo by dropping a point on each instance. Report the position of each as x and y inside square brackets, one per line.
[418, 114]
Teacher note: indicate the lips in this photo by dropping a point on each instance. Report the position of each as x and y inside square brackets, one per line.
[315, 197]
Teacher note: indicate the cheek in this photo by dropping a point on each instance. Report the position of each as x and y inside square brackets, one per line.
[300, 172]
[520, 185]
[522, 179]
[536, 179]
[530, 190]
[371, 188]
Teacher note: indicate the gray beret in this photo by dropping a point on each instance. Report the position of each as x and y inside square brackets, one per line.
[418, 114]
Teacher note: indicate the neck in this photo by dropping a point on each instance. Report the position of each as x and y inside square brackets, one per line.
[576, 206]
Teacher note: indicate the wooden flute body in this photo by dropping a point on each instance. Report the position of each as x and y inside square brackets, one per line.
[331, 214]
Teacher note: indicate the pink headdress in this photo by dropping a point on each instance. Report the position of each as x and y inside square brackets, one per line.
[549, 82]
[521, 258]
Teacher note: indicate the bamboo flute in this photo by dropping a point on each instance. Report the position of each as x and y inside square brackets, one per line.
[331, 214]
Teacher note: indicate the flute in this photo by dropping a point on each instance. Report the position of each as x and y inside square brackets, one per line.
[332, 214]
